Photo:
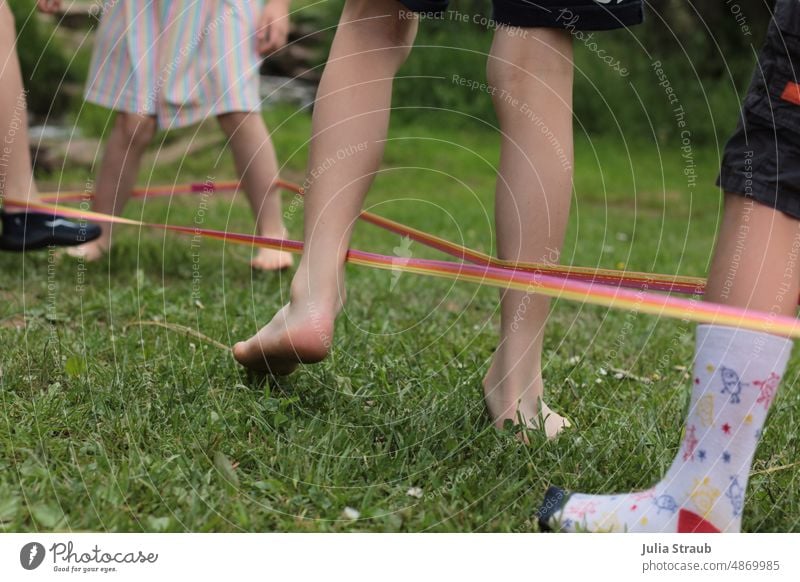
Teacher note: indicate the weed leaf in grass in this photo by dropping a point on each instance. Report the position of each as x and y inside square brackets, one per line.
[225, 467]
[47, 515]
[74, 366]
[8, 508]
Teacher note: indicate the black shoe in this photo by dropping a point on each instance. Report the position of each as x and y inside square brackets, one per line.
[29, 231]
[554, 501]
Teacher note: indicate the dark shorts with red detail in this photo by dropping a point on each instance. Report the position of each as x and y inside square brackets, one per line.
[566, 14]
[762, 158]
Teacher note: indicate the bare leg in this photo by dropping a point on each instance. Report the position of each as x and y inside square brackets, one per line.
[350, 124]
[257, 166]
[129, 139]
[533, 78]
[752, 265]
[16, 175]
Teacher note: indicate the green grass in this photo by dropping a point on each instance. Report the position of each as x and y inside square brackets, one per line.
[106, 424]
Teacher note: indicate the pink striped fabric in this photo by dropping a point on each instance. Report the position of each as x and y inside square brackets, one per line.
[181, 60]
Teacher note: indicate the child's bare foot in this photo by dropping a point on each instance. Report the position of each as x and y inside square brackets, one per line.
[505, 401]
[296, 335]
[91, 251]
[272, 260]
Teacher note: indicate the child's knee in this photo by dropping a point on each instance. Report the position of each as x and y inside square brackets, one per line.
[380, 24]
[520, 60]
[138, 131]
[505, 75]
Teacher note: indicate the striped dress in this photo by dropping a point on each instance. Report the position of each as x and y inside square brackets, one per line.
[180, 60]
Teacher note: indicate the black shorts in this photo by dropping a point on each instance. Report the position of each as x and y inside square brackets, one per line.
[762, 158]
[567, 14]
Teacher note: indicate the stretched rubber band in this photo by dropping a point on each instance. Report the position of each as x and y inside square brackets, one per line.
[627, 279]
[532, 282]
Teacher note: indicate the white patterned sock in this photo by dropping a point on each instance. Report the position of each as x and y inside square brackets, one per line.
[736, 377]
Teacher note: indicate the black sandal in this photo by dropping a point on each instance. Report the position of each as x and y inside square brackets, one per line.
[29, 231]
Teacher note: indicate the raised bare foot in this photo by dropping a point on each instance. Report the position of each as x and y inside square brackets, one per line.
[505, 401]
[91, 251]
[296, 335]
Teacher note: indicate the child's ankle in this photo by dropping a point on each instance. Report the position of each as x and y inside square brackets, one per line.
[328, 300]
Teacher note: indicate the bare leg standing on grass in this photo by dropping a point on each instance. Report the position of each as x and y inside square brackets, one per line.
[257, 168]
[253, 155]
[119, 168]
[532, 75]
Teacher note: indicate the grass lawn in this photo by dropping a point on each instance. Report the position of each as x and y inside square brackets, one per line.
[108, 424]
